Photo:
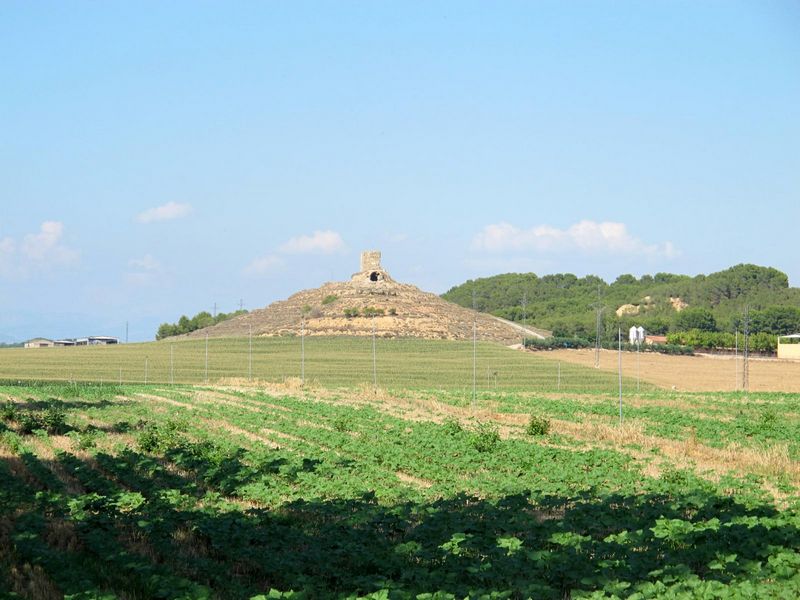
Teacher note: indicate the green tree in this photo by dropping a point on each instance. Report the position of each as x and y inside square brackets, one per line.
[166, 330]
[778, 320]
[626, 280]
[187, 325]
[695, 318]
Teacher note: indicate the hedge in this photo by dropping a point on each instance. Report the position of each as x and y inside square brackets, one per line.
[554, 343]
[714, 340]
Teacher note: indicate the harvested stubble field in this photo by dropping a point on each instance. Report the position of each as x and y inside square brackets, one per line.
[235, 491]
[703, 373]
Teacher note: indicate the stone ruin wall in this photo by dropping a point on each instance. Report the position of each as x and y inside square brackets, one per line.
[371, 261]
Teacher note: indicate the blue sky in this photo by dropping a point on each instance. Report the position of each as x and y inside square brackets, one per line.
[158, 157]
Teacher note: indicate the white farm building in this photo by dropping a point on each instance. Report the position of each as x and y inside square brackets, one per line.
[789, 346]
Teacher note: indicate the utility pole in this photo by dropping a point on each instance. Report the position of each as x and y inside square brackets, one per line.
[746, 364]
[241, 303]
[474, 350]
[250, 355]
[524, 313]
[559, 376]
[171, 364]
[619, 352]
[126, 332]
[638, 370]
[736, 360]
[206, 373]
[215, 310]
[303, 350]
[374, 359]
[599, 325]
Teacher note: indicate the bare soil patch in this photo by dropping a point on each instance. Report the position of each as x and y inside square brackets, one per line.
[693, 373]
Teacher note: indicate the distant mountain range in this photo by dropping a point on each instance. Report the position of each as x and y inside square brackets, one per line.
[662, 302]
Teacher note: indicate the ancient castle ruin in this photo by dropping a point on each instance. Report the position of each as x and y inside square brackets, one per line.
[370, 303]
[371, 269]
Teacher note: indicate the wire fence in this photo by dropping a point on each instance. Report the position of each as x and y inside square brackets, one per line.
[391, 363]
[324, 361]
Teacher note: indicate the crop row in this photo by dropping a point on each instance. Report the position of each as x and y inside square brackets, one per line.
[179, 495]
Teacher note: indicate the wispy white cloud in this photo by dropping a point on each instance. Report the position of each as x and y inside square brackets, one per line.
[143, 271]
[587, 237]
[40, 251]
[45, 246]
[319, 242]
[165, 212]
[7, 246]
[146, 263]
[263, 265]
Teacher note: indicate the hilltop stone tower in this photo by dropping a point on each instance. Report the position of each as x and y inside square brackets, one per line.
[370, 303]
[371, 260]
[371, 270]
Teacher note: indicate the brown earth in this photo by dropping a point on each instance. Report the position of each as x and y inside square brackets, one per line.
[406, 310]
[693, 373]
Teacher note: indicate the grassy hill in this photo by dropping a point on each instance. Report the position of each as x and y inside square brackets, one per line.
[661, 302]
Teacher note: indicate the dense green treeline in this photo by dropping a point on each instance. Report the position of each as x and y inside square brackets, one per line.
[200, 320]
[564, 303]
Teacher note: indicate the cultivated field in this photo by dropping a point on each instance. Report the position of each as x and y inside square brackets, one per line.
[255, 486]
[160, 491]
[399, 364]
[329, 362]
